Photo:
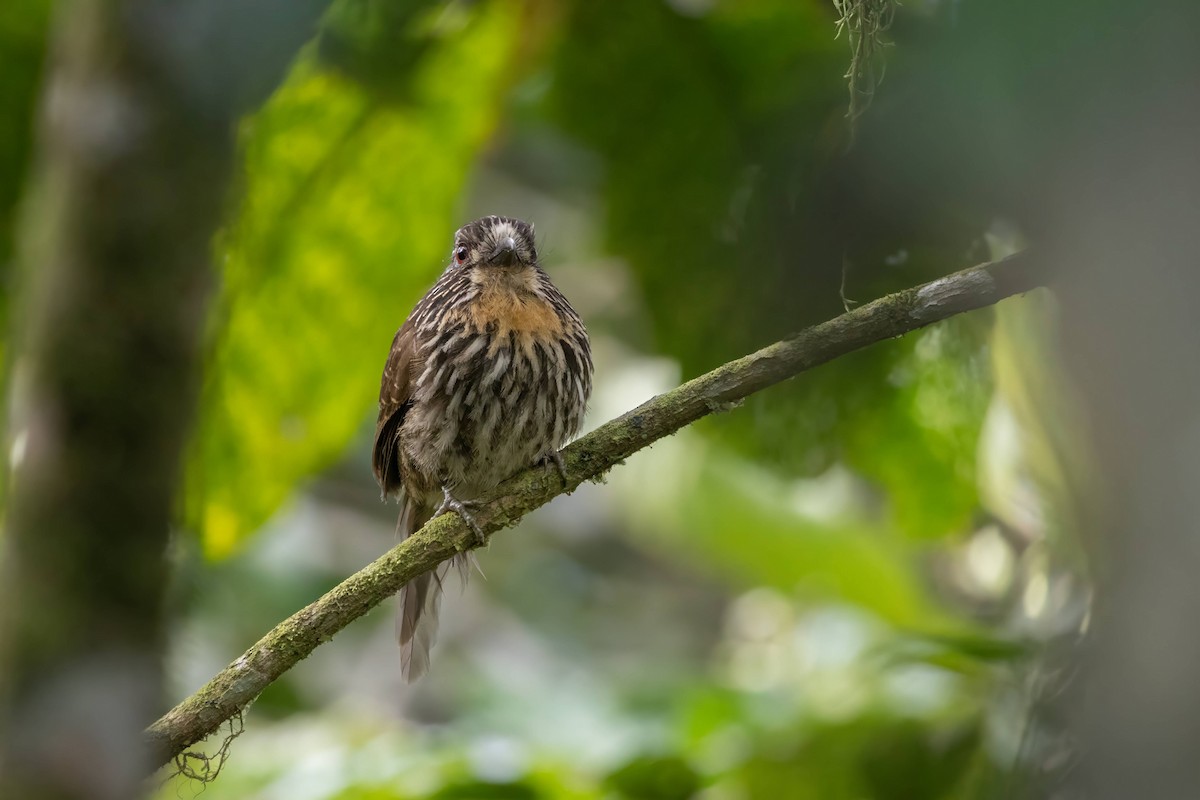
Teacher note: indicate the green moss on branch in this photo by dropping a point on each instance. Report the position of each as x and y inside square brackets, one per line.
[587, 459]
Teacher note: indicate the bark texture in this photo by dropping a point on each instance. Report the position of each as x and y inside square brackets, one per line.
[135, 153]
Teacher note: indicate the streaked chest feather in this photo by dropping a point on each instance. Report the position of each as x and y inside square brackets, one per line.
[503, 311]
[505, 378]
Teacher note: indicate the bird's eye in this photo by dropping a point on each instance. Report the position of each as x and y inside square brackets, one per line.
[460, 255]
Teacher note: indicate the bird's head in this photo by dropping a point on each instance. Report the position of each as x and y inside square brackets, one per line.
[494, 244]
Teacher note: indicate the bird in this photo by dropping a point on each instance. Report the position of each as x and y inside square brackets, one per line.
[490, 373]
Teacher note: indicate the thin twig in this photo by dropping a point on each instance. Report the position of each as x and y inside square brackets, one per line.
[847, 304]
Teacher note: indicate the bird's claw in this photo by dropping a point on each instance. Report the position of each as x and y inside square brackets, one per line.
[463, 508]
[554, 457]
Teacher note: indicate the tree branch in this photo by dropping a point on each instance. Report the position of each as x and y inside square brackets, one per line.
[587, 459]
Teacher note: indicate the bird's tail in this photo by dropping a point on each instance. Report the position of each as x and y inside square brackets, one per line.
[420, 598]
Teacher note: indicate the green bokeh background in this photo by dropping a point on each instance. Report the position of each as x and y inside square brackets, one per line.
[829, 592]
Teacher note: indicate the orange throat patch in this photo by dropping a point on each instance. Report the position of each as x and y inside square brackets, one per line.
[514, 309]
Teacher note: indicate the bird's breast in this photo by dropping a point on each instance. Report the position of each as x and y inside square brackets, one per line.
[502, 311]
[496, 391]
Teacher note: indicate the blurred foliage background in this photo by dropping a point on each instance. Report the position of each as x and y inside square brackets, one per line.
[835, 591]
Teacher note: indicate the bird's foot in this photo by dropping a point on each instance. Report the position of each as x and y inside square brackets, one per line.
[463, 508]
[553, 457]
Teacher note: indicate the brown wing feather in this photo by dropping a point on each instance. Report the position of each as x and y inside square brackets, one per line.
[395, 398]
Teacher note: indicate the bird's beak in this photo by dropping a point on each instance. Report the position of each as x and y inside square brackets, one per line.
[505, 254]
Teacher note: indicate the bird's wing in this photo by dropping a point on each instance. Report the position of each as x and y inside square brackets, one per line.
[395, 398]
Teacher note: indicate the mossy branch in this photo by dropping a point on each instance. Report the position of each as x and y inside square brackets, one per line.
[587, 459]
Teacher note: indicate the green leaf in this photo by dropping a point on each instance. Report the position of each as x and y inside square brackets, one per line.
[706, 173]
[654, 778]
[484, 790]
[733, 519]
[346, 218]
[23, 28]
[912, 760]
[916, 433]
[722, 191]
